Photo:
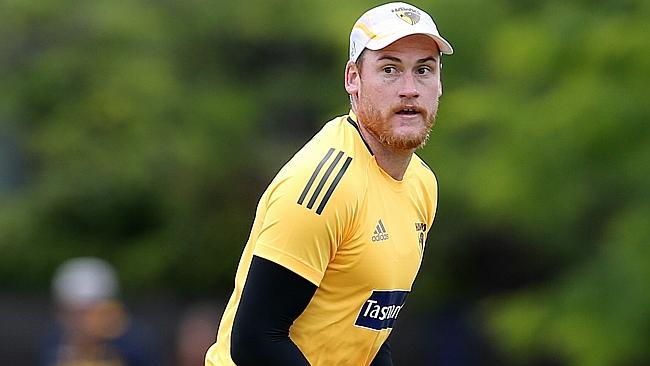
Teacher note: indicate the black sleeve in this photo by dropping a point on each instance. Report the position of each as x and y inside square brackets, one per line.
[384, 356]
[272, 298]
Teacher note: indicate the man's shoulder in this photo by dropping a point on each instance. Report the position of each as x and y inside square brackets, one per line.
[337, 133]
[331, 147]
[424, 172]
[324, 170]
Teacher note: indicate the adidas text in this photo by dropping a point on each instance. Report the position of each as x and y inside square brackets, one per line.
[379, 237]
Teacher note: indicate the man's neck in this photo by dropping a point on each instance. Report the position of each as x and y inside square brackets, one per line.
[392, 161]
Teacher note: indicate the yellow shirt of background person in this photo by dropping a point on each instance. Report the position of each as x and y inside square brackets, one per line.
[334, 217]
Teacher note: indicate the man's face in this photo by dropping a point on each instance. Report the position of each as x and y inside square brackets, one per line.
[396, 91]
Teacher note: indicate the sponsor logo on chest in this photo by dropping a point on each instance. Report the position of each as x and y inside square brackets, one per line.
[380, 233]
[381, 309]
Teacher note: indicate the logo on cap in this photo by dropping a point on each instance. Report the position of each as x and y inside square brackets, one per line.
[411, 16]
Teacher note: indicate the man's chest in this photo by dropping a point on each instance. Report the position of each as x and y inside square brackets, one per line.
[386, 247]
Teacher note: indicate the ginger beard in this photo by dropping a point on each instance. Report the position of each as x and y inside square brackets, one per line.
[380, 124]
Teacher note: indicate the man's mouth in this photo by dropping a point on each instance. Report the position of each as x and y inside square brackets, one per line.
[408, 111]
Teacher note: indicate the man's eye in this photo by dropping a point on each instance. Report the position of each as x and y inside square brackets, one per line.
[390, 69]
[423, 70]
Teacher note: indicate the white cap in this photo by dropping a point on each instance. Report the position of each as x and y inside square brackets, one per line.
[385, 24]
[83, 281]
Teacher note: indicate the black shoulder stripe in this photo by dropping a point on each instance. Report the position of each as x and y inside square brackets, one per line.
[313, 175]
[324, 178]
[327, 174]
[336, 181]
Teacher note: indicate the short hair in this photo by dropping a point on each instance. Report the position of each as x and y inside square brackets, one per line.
[359, 60]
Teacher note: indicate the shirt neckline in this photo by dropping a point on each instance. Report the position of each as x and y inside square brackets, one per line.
[395, 184]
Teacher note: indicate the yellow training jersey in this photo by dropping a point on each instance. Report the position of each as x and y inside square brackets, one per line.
[334, 217]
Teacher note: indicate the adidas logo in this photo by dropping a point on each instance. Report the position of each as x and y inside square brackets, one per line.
[380, 233]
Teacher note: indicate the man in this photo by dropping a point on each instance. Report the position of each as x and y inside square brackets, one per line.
[339, 234]
[93, 326]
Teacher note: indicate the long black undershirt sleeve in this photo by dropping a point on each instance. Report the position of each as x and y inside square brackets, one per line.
[272, 298]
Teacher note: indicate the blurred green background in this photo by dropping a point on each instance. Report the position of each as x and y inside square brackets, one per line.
[144, 132]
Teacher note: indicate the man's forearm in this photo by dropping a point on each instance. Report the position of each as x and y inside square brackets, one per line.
[272, 298]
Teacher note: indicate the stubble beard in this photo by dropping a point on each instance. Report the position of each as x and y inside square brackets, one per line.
[379, 126]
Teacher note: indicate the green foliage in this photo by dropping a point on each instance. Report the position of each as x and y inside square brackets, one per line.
[548, 144]
[145, 132]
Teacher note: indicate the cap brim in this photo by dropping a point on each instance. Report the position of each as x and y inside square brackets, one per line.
[378, 43]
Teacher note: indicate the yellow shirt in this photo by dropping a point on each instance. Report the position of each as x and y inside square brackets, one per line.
[334, 217]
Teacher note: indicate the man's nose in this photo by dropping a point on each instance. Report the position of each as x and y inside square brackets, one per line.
[408, 88]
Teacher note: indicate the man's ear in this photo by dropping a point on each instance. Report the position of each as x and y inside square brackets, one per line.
[352, 79]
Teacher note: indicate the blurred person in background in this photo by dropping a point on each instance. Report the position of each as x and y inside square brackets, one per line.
[339, 234]
[93, 327]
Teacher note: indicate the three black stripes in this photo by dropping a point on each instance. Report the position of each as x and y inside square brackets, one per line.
[323, 180]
